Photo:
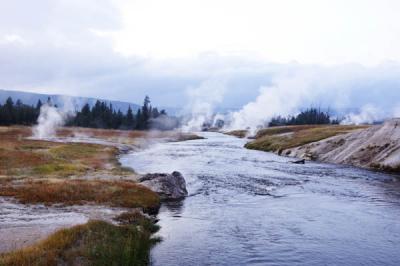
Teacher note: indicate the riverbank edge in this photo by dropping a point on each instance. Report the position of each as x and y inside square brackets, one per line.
[308, 151]
[142, 226]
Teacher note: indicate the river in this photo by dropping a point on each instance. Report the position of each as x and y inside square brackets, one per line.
[249, 207]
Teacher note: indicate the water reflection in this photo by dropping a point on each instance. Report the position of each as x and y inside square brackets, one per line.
[174, 207]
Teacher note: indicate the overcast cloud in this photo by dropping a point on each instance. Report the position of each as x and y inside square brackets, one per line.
[124, 50]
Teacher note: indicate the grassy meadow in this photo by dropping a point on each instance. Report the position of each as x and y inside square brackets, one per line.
[65, 174]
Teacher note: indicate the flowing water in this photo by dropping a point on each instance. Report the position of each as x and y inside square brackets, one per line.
[255, 208]
[24, 224]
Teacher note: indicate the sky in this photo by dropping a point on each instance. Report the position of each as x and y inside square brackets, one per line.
[342, 53]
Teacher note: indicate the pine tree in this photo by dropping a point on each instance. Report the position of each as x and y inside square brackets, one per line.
[9, 111]
[145, 116]
[139, 119]
[17, 113]
[39, 105]
[130, 120]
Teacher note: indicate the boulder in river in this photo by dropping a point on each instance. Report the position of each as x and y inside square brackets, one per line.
[168, 186]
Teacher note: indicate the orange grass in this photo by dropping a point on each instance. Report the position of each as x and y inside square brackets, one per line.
[77, 192]
[23, 157]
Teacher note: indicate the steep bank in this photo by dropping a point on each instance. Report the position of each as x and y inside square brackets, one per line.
[279, 139]
[376, 147]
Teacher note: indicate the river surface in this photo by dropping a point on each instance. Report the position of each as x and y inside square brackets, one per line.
[24, 224]
[249, 207]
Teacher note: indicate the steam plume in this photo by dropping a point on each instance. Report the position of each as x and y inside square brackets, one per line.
[50, 118]
[367, 115]
[202, 101]
[48, 122]
[283, 98]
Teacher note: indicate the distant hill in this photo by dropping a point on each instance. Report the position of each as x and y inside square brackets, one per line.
[76, 103]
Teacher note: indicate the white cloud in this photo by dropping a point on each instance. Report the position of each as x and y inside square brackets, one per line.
[126, 49]
[309, 31]
[13, 38]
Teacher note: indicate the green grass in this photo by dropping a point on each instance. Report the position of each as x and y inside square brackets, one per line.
[73, 151]
[94, 243]
[59, 169]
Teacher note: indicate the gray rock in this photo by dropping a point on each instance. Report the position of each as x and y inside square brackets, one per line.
[302, 161]
[168, 186]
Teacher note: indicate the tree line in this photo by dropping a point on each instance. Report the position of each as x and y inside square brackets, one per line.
[18, 113]
[100, 115]
[103, 115]
[310, 116]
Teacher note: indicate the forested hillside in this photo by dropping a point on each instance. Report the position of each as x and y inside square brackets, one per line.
[100, 115]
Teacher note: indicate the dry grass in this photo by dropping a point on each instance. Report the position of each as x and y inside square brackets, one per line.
[34, 171]
[237, 133]
[277, 139]
[76, 192]
[186, 136]
[16, 152]
[21, 157]
[94, 243]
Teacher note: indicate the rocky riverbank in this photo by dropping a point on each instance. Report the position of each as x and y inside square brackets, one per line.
[377, 147]
[372, 147]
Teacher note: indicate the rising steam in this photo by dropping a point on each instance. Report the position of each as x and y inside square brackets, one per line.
[329, 88]
[202, 101]
[367, 115]
[284, 98]
[49, 120]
